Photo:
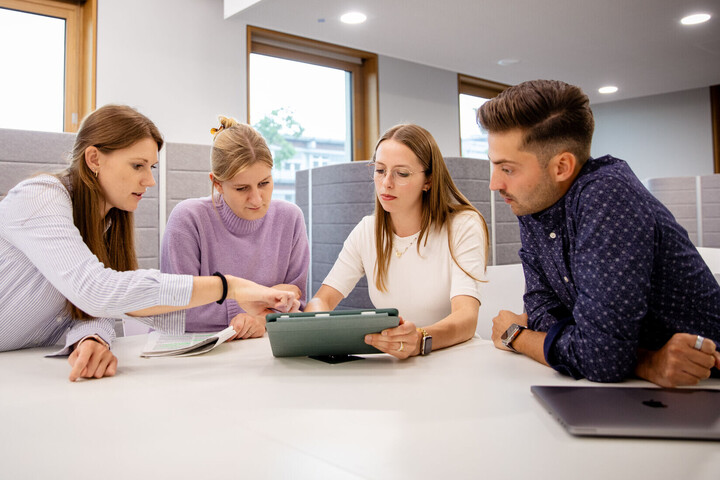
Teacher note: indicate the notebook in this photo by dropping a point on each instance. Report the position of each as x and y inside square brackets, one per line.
[335, 333]
[634, 412]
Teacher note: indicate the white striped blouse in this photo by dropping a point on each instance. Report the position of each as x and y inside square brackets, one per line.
[44, 261]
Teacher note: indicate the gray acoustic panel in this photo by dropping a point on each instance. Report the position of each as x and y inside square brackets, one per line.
[710, 197]
[187, 172]
[679, 195]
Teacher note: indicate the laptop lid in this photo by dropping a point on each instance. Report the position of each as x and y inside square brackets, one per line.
[634, 412]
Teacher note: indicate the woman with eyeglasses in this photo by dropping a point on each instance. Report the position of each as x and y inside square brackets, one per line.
[424, 250]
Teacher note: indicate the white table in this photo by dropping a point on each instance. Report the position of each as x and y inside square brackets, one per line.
[238, 412]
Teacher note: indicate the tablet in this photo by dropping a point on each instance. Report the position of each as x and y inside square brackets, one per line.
[340, 332]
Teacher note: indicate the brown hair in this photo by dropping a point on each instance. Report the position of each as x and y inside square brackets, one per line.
[439, 204]
[109, 237]
[553, 115]
[236, 146]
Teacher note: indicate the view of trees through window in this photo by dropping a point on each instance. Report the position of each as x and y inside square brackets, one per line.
[303, 112]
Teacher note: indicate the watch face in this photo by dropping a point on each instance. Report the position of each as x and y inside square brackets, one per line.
[509, 334]
[427, 345]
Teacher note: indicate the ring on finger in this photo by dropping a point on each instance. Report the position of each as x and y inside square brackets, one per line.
[402, 347]
[699, 342]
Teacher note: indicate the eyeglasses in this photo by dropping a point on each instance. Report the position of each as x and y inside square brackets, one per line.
[401, 176]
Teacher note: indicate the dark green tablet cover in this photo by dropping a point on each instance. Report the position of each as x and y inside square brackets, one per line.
[340, 332]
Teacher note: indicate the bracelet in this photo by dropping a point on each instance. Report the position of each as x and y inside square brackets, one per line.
[225, 287]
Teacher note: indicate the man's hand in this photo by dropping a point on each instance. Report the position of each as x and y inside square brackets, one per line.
[678, 363]
[91, 359]
[502, 322]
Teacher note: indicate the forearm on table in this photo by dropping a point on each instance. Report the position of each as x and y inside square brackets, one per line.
[457, 327]
[531, 343]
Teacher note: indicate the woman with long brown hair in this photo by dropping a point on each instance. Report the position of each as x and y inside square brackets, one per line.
[423, 251]
[67, 255]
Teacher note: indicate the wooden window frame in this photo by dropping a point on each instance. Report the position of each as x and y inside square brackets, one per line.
[715, 113]
[477, 87]
[362, 65]
[80, 51]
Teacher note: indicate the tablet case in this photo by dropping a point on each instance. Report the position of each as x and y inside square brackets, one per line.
[340, 332]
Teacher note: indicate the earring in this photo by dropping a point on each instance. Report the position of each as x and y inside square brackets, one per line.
[96, 173]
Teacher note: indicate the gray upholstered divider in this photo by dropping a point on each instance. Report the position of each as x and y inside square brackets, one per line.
[710, 204]
[695, 203]
[187, 172]
[24, 153]
[343, 194]
[679, 195]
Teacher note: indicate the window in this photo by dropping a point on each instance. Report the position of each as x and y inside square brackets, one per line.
[311, 101]
[473, 92]
[49, 83]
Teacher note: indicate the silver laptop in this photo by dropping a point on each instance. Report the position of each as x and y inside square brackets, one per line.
[634, 412]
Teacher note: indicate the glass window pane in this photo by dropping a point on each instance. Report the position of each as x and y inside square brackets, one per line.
[303, 111]
[473, 140]
[32, 86]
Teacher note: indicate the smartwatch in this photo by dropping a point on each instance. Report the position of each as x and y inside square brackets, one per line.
[511, 334]
[425, 342]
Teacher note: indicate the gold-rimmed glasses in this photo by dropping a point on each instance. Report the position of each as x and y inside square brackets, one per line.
[400, 176]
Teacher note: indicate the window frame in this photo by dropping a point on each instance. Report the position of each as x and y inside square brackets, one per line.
[80, 51]
[362, 65]
[477, 87]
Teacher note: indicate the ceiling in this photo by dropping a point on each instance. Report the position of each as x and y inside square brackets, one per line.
[637, 45]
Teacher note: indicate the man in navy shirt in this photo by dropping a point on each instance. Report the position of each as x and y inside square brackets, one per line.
[614, 287]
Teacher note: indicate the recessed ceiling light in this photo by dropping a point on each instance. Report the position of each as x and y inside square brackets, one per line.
[608, 89]
[695, 19]
[508, 61]
[353, 18]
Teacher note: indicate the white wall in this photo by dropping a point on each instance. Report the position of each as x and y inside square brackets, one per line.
[177, 61]
[427, 96]
[660, 135]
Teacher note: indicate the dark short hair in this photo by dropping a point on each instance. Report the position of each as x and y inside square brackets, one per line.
[553, 115]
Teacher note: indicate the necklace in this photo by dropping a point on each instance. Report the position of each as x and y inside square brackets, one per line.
[398, 253]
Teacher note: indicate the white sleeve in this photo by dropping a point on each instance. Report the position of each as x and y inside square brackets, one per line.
[40, 225]
[349, 268]
[469, 241]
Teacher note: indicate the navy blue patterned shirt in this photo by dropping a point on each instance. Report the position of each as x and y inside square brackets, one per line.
[608, 270]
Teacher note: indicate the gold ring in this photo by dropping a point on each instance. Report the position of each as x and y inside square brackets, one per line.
[402, 347]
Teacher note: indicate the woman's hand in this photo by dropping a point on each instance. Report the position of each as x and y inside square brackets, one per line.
[91, 359]
[248, 326]
[255, 299]
[402, 341]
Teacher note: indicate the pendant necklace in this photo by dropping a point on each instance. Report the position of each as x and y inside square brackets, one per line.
[398, 253]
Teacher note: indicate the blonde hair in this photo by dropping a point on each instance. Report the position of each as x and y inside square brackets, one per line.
[110, 237]
[439, 204]
[236, 146]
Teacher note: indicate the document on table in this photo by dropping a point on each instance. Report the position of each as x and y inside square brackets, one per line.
[164, 345]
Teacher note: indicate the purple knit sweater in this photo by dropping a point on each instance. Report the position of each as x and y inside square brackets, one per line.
[200, 240]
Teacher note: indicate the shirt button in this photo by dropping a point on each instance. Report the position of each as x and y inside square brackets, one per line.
[58, 319]
[552, 235]
[566, 279]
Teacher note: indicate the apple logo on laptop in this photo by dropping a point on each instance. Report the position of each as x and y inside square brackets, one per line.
[654, 404]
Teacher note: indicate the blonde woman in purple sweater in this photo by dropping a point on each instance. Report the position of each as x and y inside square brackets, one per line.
[237, 230]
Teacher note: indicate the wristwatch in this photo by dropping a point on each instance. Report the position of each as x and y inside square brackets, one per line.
[425, 342]
[511, 334]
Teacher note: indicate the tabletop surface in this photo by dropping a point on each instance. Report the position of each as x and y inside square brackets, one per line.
[238, 412]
